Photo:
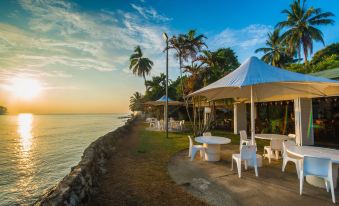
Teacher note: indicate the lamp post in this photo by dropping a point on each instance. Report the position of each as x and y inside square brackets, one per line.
[165, 37]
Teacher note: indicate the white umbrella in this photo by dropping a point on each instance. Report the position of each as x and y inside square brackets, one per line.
[257, 81]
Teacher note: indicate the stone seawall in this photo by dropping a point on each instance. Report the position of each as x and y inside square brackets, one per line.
[81, 183]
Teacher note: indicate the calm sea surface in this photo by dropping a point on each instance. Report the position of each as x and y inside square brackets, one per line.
[36, 151]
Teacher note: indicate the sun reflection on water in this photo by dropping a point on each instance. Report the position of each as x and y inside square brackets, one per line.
[25, 122]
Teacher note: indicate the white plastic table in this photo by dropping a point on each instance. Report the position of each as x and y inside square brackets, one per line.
[272, 136]
[333, 154]
[212, 146]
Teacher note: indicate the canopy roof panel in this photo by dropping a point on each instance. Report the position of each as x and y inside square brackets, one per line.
[269, 84]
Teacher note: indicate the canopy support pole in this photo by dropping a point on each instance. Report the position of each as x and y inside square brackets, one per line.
[252, 117]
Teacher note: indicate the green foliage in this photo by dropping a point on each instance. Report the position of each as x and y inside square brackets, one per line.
[3, 110]
[326, 63]
[216, 64]
[323, 54]
[275, 52]
[140, 65]
[136, 102]
[297, 67]
[301, 25]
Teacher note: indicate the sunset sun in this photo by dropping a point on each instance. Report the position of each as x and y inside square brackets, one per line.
[25, 88]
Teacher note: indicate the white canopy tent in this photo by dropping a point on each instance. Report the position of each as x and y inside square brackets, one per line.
[256, 81]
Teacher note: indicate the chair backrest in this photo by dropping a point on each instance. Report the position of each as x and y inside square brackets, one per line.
[317, 166]
[207, 134]
[248, 152]
[291, 135]
[276, 144]
[190, 140]
[243, 135]
[287, 144]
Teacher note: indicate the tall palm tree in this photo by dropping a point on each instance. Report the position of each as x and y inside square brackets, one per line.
[135, 102]
[140, 66]
[275, 51]
[196, 73]
[186, 45]
[301, 25]
[217, 63]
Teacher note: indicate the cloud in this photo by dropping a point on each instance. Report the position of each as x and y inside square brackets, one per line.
[149, 13]
[244, 41]
[60, 35]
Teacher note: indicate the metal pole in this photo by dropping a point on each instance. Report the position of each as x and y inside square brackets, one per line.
[166, 122]
[252, 117]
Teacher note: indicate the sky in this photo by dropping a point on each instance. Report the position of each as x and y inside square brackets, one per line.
[77, 52]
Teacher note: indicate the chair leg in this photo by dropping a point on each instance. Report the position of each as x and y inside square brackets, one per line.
[256, 169]
[269, 156]
[326, 184]
[297, 167]
[284, 165]
[239, 167]
[232, 164]
[301, 184]
[193, 154]
[332, 190]
[202, 154]
[190, 152]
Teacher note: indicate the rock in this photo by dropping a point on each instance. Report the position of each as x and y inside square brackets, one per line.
[77, 187]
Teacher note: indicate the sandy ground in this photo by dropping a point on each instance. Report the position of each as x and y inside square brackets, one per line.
[135, 179]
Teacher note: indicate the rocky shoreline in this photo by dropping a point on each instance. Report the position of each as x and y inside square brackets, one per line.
[82, 182]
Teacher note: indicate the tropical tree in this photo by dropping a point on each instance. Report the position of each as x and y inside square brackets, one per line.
[135, 102]
[156, 87]
[321, 55]
[301, 25]
[193, 82]
[217, 64]
[140, 65]
[3, 110]
[186, 45]
[275, 52]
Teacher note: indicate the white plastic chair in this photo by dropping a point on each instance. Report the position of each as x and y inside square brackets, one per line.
[292, 136]
[243, 138]
[289, 158]
[247, 153]
[182, 125]
[275, 146]
[320, 167]
[194, 148]
[207, 134]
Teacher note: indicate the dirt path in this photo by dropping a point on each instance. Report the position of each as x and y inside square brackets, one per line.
[133, 178]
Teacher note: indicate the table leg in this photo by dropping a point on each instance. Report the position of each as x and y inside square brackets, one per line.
[212, 152]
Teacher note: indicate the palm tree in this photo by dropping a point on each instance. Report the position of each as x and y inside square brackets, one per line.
[301, 26]
[196, 71]
[275, 52]
[140, 66]
[217, 63]
[186, 45]
[135, 102]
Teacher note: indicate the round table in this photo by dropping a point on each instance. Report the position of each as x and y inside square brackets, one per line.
[212, 146]
[272, 136]
[333, 154]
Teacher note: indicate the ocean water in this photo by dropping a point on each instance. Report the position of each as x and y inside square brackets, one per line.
[36, 151]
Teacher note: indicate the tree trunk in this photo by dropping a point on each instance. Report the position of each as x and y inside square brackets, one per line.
[144, 80]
